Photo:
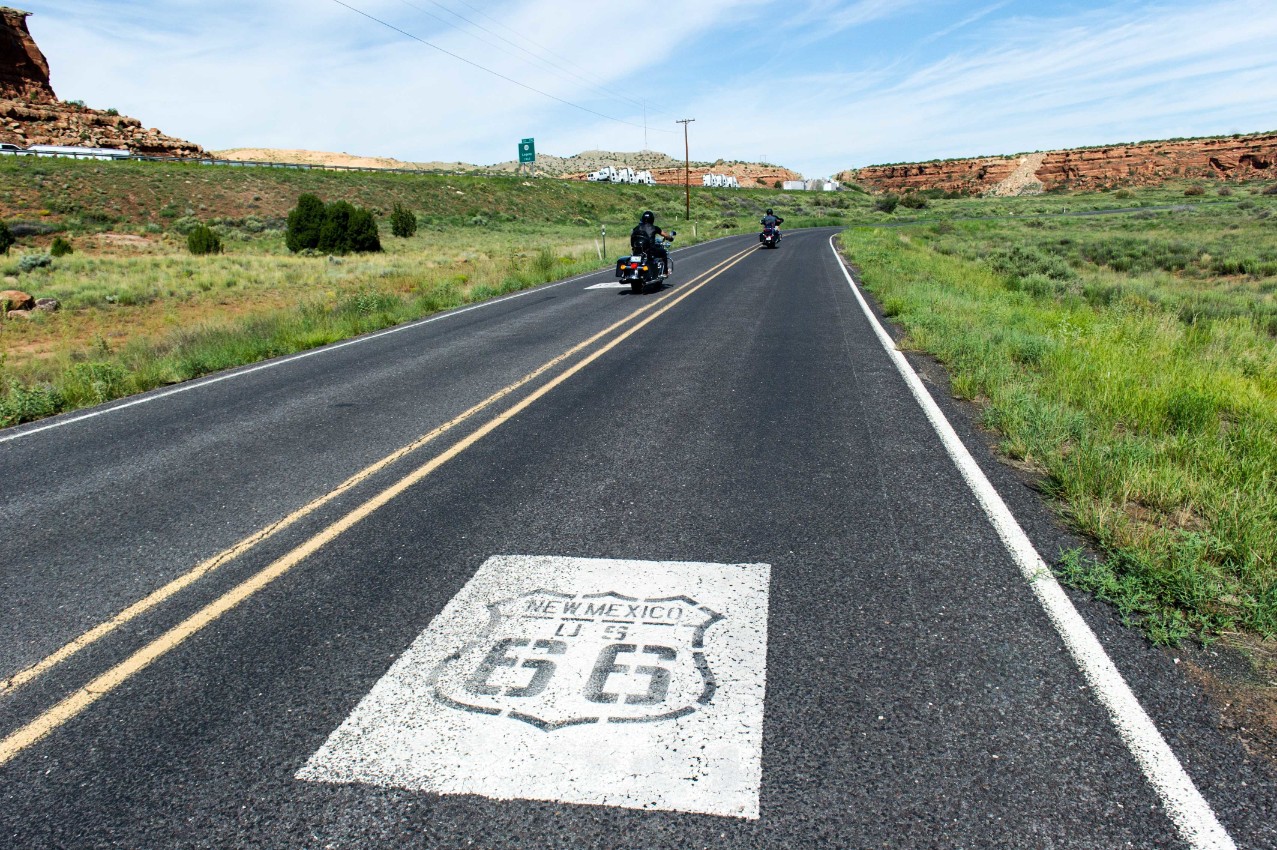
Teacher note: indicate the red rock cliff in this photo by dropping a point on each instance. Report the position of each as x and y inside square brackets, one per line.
[24, 72]
[31, 114]
[1148, 163]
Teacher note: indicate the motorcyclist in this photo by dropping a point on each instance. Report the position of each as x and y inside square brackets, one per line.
[643, 239]
[770, 219]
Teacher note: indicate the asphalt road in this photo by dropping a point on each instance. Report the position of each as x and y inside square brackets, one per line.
[869, 665]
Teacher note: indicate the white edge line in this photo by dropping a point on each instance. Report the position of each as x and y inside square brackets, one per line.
[239, 372]
[1187, 808]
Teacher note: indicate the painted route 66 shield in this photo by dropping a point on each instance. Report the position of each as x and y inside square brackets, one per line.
[555, 660]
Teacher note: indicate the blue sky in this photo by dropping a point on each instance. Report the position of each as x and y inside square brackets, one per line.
[817, 85]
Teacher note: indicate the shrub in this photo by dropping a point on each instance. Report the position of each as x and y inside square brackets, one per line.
[202, 240]
[60, 247]
[363, 235]
[1194, 191]
[20, 403]
[6, 238]
[1224, 191]
[887, 203]
[1123, 194]
[31, 228]
[914, 201]
[186, 224]
[403, 222]
[1271, 190]
[304, 223]
[31, 262]
[334, 231]
[336, 228]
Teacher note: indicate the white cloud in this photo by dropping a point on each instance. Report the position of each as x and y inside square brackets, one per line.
[310, 74]
[1036, 84]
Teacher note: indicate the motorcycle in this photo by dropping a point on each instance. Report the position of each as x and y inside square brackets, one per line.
[770, 237]
[642, 268]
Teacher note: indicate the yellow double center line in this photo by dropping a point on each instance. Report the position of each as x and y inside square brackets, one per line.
[77, 702]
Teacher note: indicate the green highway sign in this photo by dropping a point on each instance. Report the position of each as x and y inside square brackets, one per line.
[527, 151]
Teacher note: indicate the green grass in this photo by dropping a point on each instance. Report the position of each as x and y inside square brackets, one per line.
[1131, 360]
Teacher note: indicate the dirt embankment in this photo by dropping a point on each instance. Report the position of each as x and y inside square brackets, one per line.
[1145, 164]
[31, 114]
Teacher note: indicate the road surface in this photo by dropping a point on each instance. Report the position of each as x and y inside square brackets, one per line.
[702, 567]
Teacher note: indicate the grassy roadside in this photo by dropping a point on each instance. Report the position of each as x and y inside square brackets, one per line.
[1131, 361]
[139, 312]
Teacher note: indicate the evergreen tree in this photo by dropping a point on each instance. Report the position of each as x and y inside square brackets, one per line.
[363, 235]
[334, 232]
[336, 228]
[304, 224]
[202, 240]
[403, 222]
[6, 238]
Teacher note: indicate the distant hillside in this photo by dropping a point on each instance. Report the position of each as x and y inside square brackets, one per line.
[665, 168]
[1236, 157]
[305, 157]
[587, 161]
[547, 165]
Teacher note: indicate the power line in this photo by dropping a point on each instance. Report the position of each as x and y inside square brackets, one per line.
[544, 61]
[544, 49]
[407, 34]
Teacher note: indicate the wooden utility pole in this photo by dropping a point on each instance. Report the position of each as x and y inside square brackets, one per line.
[687, 165]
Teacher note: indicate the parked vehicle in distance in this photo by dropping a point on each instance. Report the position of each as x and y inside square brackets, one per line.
[74, 152]
[612, 174]
[719, 181]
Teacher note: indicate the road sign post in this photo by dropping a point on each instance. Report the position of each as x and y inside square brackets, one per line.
[528, 155]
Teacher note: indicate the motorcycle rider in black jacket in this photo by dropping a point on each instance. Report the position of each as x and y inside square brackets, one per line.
[643, 239]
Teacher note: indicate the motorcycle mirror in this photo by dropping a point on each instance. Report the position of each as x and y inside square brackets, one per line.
[673, 233]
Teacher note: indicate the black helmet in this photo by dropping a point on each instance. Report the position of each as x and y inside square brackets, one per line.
[648, 217]
[769, 210]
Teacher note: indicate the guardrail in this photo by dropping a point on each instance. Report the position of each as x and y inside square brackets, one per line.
[236, 163]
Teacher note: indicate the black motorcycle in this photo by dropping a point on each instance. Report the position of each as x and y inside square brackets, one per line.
[643, 268]
[770, 237]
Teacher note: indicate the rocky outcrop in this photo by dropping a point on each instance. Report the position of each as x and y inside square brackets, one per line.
[31, 114]
[1238, 157]
[16, 299]
[24, 72]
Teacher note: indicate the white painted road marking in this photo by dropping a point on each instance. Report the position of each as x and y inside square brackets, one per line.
[1185, 805]
[610, 284]
[637, 684]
